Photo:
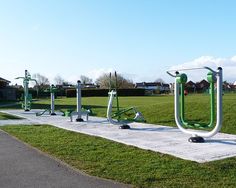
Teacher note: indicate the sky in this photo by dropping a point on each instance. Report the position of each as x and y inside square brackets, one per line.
[140, 39]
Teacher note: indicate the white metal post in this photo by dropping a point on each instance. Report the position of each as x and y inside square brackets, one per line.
[52, 101]
[78, 96]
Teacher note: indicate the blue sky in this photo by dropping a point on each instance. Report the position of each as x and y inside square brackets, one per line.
[141, 39]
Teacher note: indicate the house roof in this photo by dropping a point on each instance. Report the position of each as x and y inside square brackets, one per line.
[202, 84]
[4, 80]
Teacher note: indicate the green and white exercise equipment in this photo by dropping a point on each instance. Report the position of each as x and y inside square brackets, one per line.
[79, 110]
[51, 111]
[213, 76]
[115, 118]
[26, 104]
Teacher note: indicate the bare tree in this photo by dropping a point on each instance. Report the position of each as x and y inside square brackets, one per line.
[104, 81]
[85, 79]
[59, 80]
[43, 81]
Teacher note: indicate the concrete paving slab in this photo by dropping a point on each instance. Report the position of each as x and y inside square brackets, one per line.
[158, 138]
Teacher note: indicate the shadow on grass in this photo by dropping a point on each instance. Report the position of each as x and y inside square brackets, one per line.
[8, 116]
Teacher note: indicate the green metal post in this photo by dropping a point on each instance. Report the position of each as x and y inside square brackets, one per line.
[211, 79]
[182, 111]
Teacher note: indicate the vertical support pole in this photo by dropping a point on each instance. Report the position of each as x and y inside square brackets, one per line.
[78, 96]
[110, 87]
[52, 113]
[219, 115]
[26, 87]
[182, 101]
[117, 98]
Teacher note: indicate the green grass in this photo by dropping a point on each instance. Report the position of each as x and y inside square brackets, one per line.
[4, 116]
[141, 168]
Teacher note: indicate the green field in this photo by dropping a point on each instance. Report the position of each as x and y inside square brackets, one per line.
[141, 168]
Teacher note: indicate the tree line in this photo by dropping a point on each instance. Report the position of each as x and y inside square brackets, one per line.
[102, 81]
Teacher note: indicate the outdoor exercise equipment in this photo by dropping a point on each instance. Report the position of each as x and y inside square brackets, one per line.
[79, 111]
[51, 111]
[138, 117]
[212, 77]
[26, 104]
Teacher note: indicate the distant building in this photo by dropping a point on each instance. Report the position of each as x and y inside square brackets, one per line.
[6, 92]
[4, 83]
[202, 86]
[153, 86]
[90, 86]
[190, 86]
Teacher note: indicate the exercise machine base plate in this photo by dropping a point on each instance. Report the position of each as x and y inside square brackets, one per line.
[196, 139]
[79, 120]
[124, 127]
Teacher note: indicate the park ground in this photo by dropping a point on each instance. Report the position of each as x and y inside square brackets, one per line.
[141, 168]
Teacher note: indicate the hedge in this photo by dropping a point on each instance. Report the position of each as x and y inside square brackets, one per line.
[104, 92]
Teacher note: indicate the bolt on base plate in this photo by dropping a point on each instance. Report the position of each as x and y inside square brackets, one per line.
[196, 139]
[79, 120]
[124, 127]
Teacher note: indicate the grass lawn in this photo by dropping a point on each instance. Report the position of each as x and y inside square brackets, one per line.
[141, 168]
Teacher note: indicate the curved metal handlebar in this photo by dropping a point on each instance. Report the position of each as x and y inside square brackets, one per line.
[168, 72]
[208, 68]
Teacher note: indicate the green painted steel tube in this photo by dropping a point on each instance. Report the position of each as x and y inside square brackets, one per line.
[212, 104]
[182, 111]
[211, 79]
[120, 112]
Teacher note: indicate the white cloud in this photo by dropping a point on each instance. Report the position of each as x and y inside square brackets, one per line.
[228, 65]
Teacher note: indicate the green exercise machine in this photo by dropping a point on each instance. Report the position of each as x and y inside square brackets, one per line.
[27, 98]
[52, 90]
[116, 117]
[214, 78]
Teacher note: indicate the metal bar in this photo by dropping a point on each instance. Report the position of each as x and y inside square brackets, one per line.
[187, 69]
[78, 96]
[168, 72]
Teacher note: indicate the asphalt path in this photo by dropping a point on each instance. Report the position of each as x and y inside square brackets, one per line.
[26, 167]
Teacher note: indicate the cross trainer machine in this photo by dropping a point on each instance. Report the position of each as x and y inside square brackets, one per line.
[213, 76]
[138, 117]
[26, 104]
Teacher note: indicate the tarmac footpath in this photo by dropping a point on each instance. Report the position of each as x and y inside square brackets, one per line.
[26, 167]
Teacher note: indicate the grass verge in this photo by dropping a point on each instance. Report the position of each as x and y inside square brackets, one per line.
[108, 159]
